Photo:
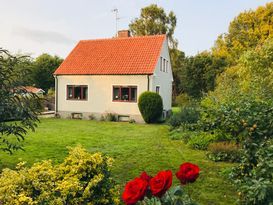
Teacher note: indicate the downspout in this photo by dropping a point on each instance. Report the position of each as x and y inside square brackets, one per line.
[148, 80]
[56, 94]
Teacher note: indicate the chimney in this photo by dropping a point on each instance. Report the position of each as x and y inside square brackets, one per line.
[124, 34]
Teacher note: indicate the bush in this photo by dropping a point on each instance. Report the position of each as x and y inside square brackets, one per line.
[150, 106]
[82, 178]
[202, 140]
[181, 134]
[183, 100]
[224, 151]
[255, 181]
[187, 114]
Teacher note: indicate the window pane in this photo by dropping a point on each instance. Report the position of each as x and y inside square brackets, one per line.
[157, 89]
[77, 92]
[85, 93]
[125, 94]
[116, 93]
[70, 92]
[134, 94]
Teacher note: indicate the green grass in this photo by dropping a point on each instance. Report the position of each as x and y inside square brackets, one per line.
[135, 147]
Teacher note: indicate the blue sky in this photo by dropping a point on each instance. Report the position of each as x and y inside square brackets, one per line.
[55, 26]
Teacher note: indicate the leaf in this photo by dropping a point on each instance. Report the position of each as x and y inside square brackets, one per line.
[177, 191]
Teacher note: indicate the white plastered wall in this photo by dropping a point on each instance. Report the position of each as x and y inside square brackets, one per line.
[100, 91]
[163, 79]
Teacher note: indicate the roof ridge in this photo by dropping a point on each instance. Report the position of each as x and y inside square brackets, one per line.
[124, 38]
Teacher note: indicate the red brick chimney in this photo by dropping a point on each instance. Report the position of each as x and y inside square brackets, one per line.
[124, 34]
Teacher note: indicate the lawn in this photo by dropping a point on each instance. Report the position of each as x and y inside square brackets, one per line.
[135, 147]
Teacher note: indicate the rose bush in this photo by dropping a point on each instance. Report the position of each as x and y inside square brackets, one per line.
[188, 173]
[161, 183]
[157, 190]
[135, 191]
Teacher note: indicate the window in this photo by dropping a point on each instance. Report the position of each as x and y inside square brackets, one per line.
[161, 62]
[167, 65]
[77, 92]
[125, 93]
[157, 89]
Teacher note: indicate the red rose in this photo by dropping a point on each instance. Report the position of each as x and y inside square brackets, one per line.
[161, 183]
[188, 173]
[134, 191]
[145, 176]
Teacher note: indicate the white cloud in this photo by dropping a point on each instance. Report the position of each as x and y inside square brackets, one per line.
[42, 36]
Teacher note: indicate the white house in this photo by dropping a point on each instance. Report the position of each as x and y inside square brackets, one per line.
[108, 75]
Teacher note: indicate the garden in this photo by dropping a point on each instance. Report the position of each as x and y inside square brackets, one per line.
[134, 148]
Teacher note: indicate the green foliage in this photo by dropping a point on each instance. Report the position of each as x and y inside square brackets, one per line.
[82, 178]
[252, 75]
[177, 59]
[187, 115]
[43, 69]
[183, 100]
[198, 73]
[15, 104]
[153, 21]
[176, 195]
[201, 140]
[253, 176]
[151, 106]
[248, 30]
[182, 134]
[224, 151]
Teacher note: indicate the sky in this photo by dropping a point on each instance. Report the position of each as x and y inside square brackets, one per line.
[34, 27]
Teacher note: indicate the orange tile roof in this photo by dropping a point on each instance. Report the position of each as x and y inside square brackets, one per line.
[132, 55]
[32, 89]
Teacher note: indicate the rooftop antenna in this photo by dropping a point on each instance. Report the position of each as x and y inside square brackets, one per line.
[115, 10]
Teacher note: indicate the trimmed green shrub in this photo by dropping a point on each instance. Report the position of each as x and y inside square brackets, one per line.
[82, 178]
[150, 106]
[224, 151]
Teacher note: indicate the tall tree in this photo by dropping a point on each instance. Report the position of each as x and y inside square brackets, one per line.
[43, 68]
[248, 30]
[15, 103]
[199, 72]
[153, 20]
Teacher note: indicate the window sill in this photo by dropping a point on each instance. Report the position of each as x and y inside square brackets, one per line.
[124, 101]
[75, 100]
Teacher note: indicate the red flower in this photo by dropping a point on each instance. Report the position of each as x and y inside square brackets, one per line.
[161, 183]
[188, 173]
[134, 191]
[145, 176]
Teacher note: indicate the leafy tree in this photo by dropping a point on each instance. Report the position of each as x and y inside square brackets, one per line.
[15, 104]
[199, 72]
[153, 21]
[246, 31]
[177, 59]
[43, 68]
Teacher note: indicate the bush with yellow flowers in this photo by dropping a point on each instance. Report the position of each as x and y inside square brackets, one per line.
[83, 178]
